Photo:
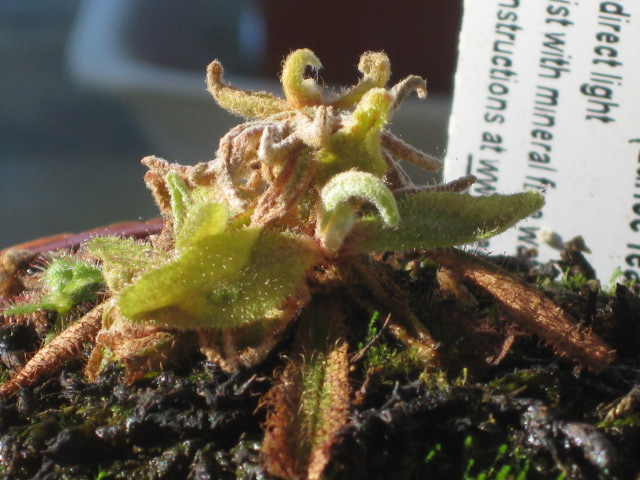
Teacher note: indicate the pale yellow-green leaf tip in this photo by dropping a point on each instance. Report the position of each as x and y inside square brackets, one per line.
[376, 71]
[375, 67]
[298, 90]
[244, 103]
[337, 213]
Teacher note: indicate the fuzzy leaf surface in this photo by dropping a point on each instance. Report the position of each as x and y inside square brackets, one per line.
[224, 280]
[243, 103]
[201, 220]
[124, 258]
[338, 214]
[357, 144]
[441, 219]
[69, 282]
[298, 90]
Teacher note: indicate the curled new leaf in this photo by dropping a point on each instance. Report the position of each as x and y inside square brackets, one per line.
[338, 214]
[376, 70]
[241, 102]
[441, 219]
[357, 144]
[180, 198]
[300, 91]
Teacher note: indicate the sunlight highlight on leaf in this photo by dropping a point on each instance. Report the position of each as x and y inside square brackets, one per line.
[442, 219]
[357, 144]
[224, 280]
[202, 220]
[243, 103]
[298, 90]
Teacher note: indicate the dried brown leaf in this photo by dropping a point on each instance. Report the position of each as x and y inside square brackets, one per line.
[530, 308]
[52, 356]
[334, 406]
[141, 349]
[306, 409]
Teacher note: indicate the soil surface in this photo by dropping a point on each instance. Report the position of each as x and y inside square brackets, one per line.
[527, 415]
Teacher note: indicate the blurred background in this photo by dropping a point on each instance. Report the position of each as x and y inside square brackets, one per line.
[88, 88]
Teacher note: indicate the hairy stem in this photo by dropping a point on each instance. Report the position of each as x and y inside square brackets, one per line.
[52, 356]
[529, 307]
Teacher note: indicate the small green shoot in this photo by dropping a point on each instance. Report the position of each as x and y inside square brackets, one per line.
[433, 453]
[65, 283]
[506, 465]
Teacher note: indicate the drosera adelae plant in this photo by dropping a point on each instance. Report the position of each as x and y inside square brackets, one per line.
[282, 225]
[307, 185]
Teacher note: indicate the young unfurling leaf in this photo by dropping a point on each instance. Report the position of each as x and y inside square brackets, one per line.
[193, 218]
[338, 212]
[300, 91]
[357, 144]
[180, 198]
[241, 102]
[376, 70]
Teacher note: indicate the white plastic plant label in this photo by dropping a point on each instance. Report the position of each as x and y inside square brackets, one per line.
[547, 96]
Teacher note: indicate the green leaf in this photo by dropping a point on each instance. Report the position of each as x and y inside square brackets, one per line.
[441, 219]
[201, 220]
[224, 280]
[376, 70]
[180, 198]
[243, 103]
[362, 186]
[298, 90]
[277, 266]
[183, 290]
[193, 218]
[124, 258]
[19, 309]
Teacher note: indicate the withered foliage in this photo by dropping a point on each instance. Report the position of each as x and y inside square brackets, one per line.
[308, 407]
[51, 357]
[530, 309]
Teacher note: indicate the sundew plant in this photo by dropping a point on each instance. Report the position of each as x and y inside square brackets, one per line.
[281, 234]
[303, 190]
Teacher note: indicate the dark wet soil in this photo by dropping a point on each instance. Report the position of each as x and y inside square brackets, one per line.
[531, 416]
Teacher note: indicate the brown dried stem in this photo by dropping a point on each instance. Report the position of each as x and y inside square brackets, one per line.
[530, 308]
[52, 356]
[384, 293]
